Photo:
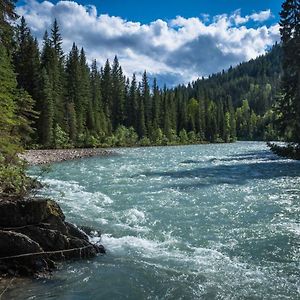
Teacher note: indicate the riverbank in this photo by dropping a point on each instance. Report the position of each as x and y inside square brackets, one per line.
[38, 157]
[34, 234]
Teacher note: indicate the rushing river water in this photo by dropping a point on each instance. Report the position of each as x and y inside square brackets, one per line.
[191, 222]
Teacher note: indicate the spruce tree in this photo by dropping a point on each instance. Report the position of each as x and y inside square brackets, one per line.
[141, 124]
[133, 104]
[56, 74]
[118, 95]
[73, 101]
[289, 104]
[106, 89]
[27, 66]
[8, 85]
[7, 15]
[146, 98]
[46, 120]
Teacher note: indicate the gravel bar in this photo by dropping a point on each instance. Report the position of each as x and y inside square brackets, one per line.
[38, 157]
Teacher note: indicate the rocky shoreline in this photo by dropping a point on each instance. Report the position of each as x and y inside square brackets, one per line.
[34, 236]
[38, 157]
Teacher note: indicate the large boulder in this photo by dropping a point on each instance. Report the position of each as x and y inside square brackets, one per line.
[37, 227]
[28, 212]
[12, 245]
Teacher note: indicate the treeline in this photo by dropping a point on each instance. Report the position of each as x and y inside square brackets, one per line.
[79, 105]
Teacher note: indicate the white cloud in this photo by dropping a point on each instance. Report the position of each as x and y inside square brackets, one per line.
[261, 16]
[184, 48]
[256, 17]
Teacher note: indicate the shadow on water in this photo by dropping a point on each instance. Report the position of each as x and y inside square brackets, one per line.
[250, 166]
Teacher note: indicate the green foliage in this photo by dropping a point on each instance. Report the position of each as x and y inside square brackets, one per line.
[192, 137]
[8, 89]
[13, 179]
[289, 102]
[183, 136]
[288, 105]
[126, 136]
[61, 138]
[82, 106]
[144, 142]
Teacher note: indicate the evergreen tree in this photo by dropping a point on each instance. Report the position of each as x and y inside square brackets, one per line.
[133, 104]
[106, 89]
[7, 15]
[26, 116]
[118, 95]
[146, 99]
[46, 119]
[289, 104]
[55, 71]
[56, 41]
[84, 89]
[141, 124]
[8, 85]
[96, 117]
[27, 66]
[74, 104]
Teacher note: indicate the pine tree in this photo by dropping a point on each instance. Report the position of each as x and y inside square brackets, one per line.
[289, 104]
[8, 85]
[118, 95]
[96, 114]
[106, 89]
[141, 124]
[56, 74]
[133, 104]
[146, 98]
[28, 69]
[7, 15]
[84, 90]
[73, 101]
[155, 106]
[46, 120]
[26, 117]
[56, 40]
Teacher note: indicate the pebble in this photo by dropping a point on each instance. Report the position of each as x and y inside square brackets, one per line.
[38, 157]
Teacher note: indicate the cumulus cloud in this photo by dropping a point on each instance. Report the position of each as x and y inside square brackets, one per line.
[184, 48]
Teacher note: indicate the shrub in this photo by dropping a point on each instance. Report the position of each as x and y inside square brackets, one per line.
[13, 179]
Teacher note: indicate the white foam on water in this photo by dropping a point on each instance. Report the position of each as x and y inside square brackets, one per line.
[134, 215]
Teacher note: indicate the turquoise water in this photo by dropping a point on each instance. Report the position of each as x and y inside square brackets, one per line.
[191, 222]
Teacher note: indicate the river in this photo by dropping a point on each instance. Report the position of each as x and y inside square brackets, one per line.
[217, 221]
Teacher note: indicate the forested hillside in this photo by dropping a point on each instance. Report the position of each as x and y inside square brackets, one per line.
[68, 103]
[83, 105]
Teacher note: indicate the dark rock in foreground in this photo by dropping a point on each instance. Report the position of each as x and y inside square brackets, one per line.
[34, 235]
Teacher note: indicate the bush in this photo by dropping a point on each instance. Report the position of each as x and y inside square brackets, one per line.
[125, 136]
[144, 142]
[183, 136]
[61, 138]
[13, 180]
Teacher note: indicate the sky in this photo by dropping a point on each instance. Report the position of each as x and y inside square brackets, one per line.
[175, 41]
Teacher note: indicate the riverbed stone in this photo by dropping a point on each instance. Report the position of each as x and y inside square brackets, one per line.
[38, 226]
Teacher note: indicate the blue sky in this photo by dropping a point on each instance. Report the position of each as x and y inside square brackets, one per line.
[146, 11]
[176, 41]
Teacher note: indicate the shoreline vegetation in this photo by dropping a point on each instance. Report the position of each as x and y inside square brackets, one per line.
[289, 150]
